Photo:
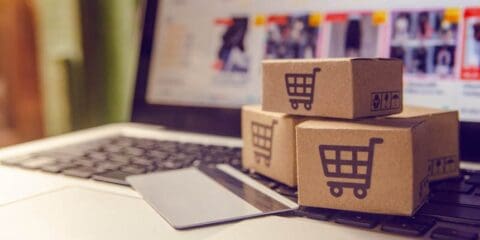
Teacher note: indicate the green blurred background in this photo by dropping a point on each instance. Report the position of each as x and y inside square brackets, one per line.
[81, 63]
[90, 47]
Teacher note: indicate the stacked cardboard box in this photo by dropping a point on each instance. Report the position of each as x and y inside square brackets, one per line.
[326, 125]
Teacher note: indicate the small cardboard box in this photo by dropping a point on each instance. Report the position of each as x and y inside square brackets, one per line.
[269, 143]
[443, 142]
[346, 88]
[374, 165]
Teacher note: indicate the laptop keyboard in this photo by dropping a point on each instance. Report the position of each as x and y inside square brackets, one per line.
[113, 159]
[452, 211]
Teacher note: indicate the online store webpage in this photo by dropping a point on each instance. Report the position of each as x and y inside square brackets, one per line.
[211, 56]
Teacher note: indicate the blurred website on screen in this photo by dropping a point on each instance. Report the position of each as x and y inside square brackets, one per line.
[211, 56]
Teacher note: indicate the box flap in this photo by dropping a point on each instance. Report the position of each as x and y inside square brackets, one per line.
[417, 111]
[258, 109]
[273, 61]
[365, 124]
[375, 59]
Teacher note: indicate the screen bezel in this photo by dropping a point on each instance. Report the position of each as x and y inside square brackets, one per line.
[211, 120]
[224, 121]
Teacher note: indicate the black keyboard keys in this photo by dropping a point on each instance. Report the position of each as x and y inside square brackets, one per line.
[363, 220]
[119, 157]
[84, 161]
[323, 214]
[109, 165]
[81, 172]
[452, 186]
[134, 169]
[112, 159]
[474, 179]
[411, 226]
[57, 167]
[286, 191]
[450, 212]
[444, 233]
[457, 199]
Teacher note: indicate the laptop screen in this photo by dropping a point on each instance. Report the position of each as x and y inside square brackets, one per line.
[204, 58]
[208, 53]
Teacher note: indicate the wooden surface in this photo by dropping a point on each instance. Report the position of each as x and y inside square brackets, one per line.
[18, 68]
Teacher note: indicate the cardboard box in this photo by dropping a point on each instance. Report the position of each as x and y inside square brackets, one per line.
[346, 88]
[443, 142]
[374, 165]
[269, 143]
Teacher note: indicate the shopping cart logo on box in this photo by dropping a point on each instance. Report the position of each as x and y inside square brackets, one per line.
[301, 88]
[348, 167]
[262, 135]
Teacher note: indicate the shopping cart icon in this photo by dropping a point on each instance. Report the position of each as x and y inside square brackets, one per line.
[262, 135]
[300, 88]
[348, 167]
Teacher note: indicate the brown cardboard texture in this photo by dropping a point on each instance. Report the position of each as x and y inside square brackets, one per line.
[443, 142]
[347, 88]
[374, 165]
[269, 143]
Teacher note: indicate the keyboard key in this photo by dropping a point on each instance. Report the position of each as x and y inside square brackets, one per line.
[36, 162]
[118, 157]
[134, 169]
[181, 157]
[109, 165]
[141, 161]
[157, 155]
[81, 172]
[287, 191]
[96, 155]
[444, 233]
[411, 226]
[145, 144]
[115, 176]
[209, 159]
[64, 159]
[455, 198]
[452, 186]
[133, 151]
[316, 213]
[123, 141]
[86, 162]
[167, 146]
[362, 220]
[57, 167]
[111, 148]
[236, 162]
[474, 179]
[191, 147]
[448, 212]
[170, 165]
[469, 172]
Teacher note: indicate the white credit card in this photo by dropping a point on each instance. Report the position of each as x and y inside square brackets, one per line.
[200, 196]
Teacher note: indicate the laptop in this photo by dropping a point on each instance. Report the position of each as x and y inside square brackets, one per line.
[73, 186]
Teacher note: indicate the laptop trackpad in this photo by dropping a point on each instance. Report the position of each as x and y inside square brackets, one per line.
[194, 197]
